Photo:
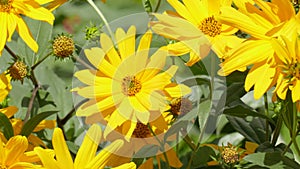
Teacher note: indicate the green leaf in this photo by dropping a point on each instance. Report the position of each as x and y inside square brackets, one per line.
[242, 110]
[147, 151]
[234, 92]
[148, 6]
[202, 156]
[30, 125]
[271, 160]
[253, 130]
[5, 126]
[175, 128]
[72, 147]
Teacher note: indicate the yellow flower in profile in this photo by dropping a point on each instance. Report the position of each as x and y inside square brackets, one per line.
[86, 156]
[261, 19]
[5, 85]
[289, 77]
[11, 12]
[55, 4]
[262, 23]
[17, 125]
[127, 86]
[12, 154]
[195, 26]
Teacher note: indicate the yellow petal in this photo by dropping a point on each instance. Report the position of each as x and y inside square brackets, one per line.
[15, 148]
[102, 158]
[183, 11]
[108, 47]
[130, 165]
[95, 56]
[50, 124]
[296, 91]
[145, 41]
[88, 147]
[9, 111]
[3, 30]
[26, 34]
[63, 156]
[178, 90]
[236, 19]
[147, 165]
[115, 120]
[47, 158]
[126, 42]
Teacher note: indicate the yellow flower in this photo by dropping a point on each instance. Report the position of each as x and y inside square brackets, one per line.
[11, 12]
[127, 87]
[261, 19]
[86, 156]
[262, 22]
[5, 85]
[12, 154]
[17, 125]
[195, 26]
[289, 77]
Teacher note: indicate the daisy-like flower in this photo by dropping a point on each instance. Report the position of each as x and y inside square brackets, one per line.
[5, 85]
[127, 86]
[86, 156]
[11, 12]
[289, 77]
[195, 26]
[258, 51]
[13, 156]
[17, 125]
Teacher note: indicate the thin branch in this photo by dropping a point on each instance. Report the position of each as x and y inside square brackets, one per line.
[11, 52]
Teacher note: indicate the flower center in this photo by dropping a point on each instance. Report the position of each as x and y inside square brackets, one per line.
[18, 71]
[180, 106]
[141, 130]
[293, 71]
[131, 85]
[230, 155]
[5, 5]
[210, 26]
[3, 167]
[63, 46]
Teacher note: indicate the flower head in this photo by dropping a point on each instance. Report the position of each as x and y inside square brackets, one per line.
[11, 12]
[195, 26]
[63, 46]
[12, 154]
[127, 86]
[18, 71]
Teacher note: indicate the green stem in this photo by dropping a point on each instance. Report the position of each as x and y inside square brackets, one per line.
[286, 148]
[11, 52]
[103, 18]
[267, 114]
[77, 59]
[162, 146]
[277, 129]
[157, 6]
[40, 61]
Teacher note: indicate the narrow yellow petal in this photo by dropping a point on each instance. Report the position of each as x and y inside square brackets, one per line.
[15, 148]
[26, 34]
[88, 147]
[102, 158]
[63, 156]
[183, 11]
[47, 158]
[130, 165]
[108, 47]
[145, 41]
[3, 30]
[95, 56]
[50, 124]
[178, 91]
[9, 111]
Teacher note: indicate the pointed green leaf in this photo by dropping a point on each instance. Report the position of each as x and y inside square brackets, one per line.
[30, 125]
[6, 127]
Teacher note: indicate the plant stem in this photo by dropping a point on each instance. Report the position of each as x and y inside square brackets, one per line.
[162, 147]
[40, 61]
[11, 52]
[103, 19]
[277, 129]
[267, 114]
[157, 6]
[83, 63]
[30, 105]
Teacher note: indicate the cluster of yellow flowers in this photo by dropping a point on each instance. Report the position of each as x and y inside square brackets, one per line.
[130, 90]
